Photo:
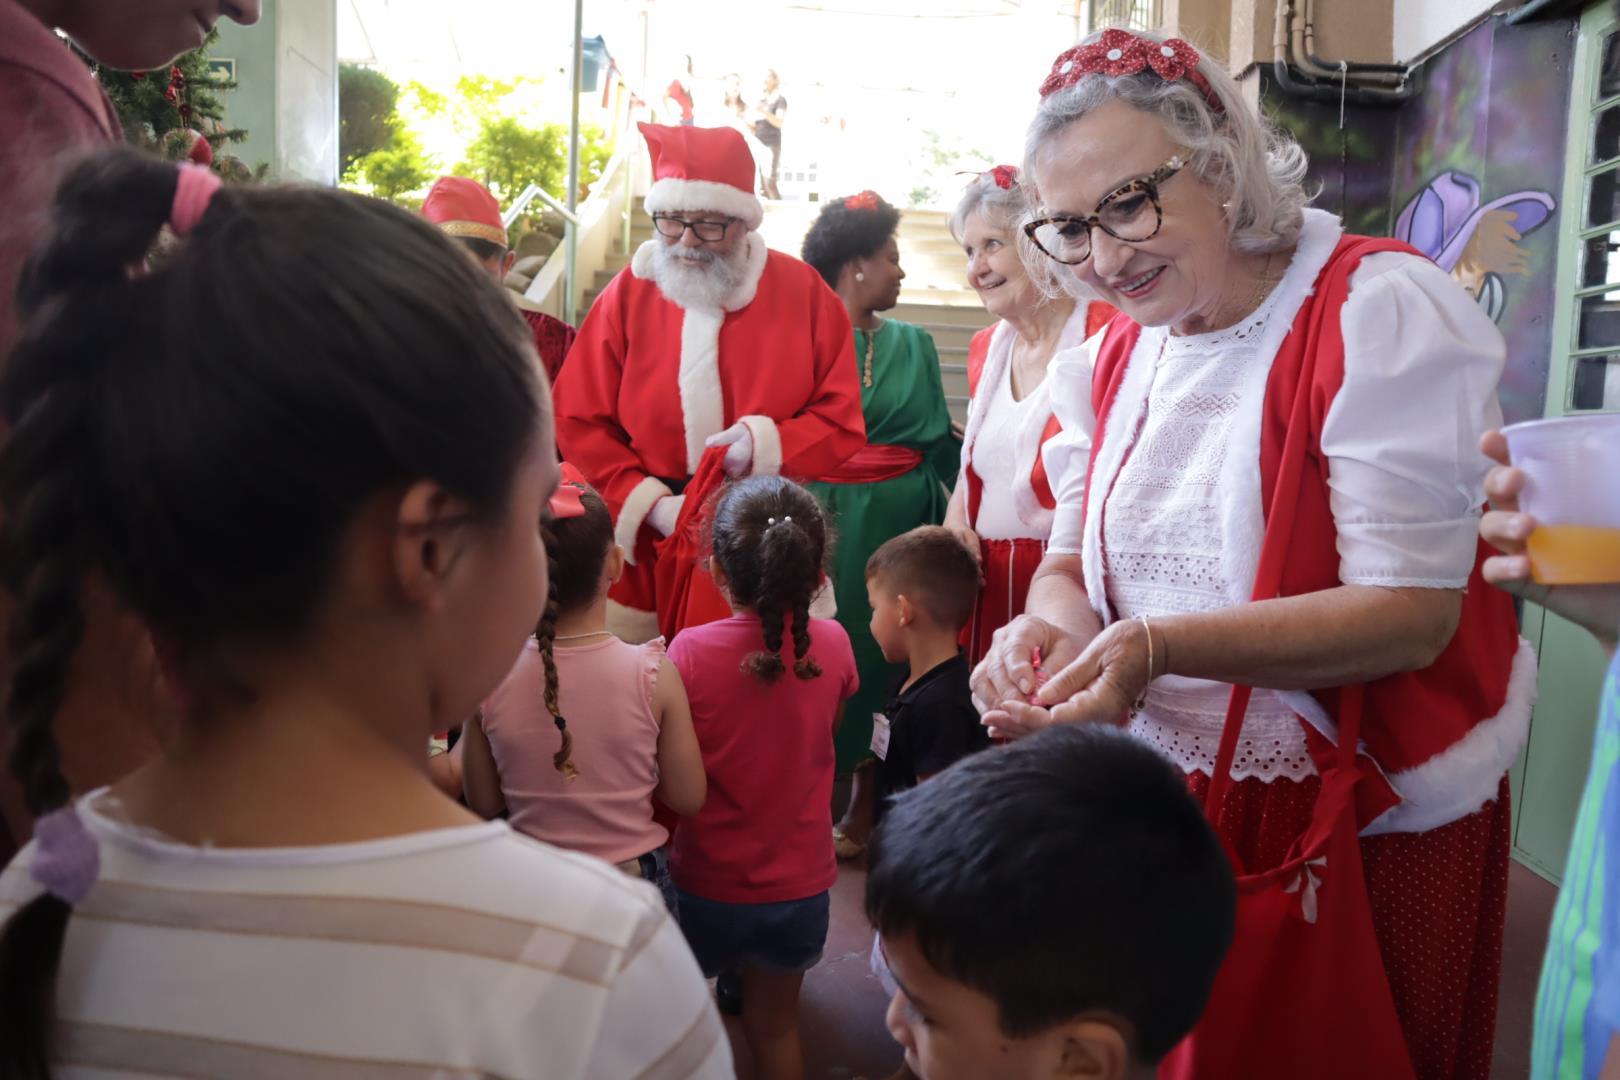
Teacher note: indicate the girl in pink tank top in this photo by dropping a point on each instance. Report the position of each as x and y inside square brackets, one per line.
[586, 782]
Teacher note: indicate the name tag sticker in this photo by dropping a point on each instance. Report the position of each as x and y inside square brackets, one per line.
[880, 736]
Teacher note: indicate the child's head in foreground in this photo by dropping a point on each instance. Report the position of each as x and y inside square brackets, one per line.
[1056, 907]
[308, 449]
[922, 581]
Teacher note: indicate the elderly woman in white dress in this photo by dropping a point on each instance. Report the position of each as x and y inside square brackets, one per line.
[1003, 502]
[1274, 373]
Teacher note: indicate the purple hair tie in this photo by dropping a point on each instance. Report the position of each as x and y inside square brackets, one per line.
[67, 859]
[192, 194]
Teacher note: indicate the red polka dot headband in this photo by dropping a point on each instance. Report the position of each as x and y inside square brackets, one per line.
[1120, 52]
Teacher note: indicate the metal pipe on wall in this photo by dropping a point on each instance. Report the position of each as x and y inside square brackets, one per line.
[1310, 50]
[1340, 85]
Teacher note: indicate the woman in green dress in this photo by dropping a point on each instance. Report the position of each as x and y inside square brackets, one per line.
[903, 477]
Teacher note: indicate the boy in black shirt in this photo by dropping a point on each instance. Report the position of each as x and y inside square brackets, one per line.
[922, 585]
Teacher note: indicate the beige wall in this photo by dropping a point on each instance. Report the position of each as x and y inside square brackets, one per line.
[1241, 30]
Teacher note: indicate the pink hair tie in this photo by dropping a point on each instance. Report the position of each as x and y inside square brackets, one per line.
[192, 194]
[67, 859]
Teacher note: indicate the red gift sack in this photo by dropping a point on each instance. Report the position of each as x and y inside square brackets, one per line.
[686, 594]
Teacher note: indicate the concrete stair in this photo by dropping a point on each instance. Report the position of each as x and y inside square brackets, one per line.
[934, 296]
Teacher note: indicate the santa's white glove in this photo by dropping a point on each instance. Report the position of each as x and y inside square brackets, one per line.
[664, 512]
[739, 444]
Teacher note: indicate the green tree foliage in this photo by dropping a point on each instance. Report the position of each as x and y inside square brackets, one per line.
[398, 169]
[507, 156]
[368, 113]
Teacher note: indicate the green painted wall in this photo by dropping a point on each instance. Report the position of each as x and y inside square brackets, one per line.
[1548, 779]
[286, 68]
[252, 105]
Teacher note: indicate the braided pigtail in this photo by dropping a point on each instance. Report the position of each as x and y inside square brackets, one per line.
[74, 298]
[545, 635]
[767, 664]
[770, 538]
[805, 666]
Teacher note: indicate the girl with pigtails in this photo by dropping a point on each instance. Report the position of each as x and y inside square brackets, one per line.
[318, 485]
[586, 729]
[768, 688]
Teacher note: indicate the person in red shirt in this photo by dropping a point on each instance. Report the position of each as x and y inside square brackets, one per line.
[466, 210]
[753, 867]
[51, 109]
[678, 96]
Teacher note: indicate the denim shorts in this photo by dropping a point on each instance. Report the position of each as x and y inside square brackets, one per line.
[786, 938]
[654, 867]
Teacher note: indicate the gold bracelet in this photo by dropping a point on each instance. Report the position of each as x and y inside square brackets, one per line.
[1141, 701]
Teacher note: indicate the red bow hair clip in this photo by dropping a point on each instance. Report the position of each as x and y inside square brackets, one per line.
[1120, 52]
[866, 200]
[566, 501]
[1005, 176]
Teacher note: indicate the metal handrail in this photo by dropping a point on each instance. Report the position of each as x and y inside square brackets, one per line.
[531, 193]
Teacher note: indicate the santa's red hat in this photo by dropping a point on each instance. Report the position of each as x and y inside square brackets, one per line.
[463, 207]
[697, 169]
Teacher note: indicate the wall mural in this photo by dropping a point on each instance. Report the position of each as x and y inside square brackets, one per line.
[1467, 172]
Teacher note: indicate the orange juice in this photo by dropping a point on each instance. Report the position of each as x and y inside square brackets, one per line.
[1575, 555]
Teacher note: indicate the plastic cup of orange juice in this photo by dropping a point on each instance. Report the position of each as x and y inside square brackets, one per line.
[1572, 488]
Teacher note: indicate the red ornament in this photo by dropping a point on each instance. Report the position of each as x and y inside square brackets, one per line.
[201, 152]
[138, 76]
[1119, 52]
[171, 95]
[866, 200]
[1005, 176]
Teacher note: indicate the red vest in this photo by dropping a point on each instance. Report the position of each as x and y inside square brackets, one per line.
[1097, 317]
[1410, 718]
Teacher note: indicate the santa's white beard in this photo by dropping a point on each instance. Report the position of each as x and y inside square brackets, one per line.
[697, 277]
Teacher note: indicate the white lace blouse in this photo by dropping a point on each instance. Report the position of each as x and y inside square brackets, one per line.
[1405, 477]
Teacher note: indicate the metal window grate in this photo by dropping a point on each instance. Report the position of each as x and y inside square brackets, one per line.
[1126, 14]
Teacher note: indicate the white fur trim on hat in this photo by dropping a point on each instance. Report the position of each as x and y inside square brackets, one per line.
[637, 505]
[670, 196]
[767, 444]
[631, 625]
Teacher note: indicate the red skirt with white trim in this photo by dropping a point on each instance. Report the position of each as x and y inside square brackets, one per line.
[1007, 566]
[1439, 902]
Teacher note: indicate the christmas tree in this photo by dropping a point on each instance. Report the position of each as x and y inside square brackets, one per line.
[178, 111]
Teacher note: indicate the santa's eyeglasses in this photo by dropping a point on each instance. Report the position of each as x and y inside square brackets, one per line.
[706, 231]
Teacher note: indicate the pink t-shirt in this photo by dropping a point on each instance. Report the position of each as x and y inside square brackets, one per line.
[765, 832]
[604, 689]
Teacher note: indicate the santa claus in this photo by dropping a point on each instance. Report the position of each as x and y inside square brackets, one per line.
[707, 341]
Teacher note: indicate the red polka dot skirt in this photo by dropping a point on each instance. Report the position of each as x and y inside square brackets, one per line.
[1439, 901]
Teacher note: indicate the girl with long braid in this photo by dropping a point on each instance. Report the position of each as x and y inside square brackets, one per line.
[318, 483]
[587, 729]
[768, 688]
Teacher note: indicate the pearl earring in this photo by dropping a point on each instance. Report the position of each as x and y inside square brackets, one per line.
[859, 276]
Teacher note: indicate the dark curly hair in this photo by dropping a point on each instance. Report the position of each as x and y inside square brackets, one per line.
[848, 229]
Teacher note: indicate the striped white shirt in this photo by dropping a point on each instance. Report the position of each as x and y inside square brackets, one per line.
[464, 952]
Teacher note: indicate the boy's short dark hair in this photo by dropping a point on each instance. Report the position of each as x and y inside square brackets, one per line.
[1068, 872]
[934, 569]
